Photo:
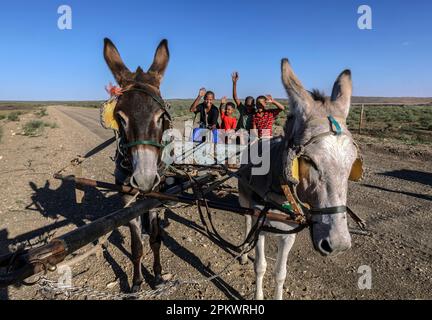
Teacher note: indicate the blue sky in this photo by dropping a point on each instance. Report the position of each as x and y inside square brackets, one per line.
[208, 40]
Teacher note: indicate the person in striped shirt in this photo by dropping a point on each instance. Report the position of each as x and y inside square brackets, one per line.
[263, 119]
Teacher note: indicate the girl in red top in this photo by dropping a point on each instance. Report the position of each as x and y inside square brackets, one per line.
[229, 122]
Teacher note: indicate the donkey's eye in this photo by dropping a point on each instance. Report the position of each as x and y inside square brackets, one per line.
[310, 163]
[123, 122]
[160, 120]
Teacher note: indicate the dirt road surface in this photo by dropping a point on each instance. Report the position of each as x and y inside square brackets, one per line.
[395, 198]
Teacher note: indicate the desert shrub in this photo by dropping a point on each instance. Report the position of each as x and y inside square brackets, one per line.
[2, 116]
[33, 128]
[42, 112]
[52, 125]
[1, 133]
[13, 116]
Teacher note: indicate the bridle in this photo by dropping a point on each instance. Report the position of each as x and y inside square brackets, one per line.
[166, 115]
[123, 145]
[337, 132]
[294, 204]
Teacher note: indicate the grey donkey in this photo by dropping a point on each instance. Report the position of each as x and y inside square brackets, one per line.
[323, 183]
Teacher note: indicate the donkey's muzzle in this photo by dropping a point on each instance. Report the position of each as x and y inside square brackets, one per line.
[326, 248]
[144, 176]
[143, 182]
[331, 236]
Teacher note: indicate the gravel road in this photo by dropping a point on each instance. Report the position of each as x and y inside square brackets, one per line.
[395, 198]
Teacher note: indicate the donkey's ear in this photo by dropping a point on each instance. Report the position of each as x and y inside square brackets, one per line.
[301, 99]
[342, 91]
[160, 61]
[115, 62]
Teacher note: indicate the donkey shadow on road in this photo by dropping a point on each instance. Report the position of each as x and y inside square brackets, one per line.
[60, 205]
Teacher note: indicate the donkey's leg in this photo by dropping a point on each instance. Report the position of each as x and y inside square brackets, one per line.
[155, 244]
[137, 253]
[285, 244]
[260, 266]
[248, 226]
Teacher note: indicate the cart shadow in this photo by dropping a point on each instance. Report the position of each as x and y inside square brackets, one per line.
[61, 202]
[171, 215]
[60, 205]
[411, 175]
[193, 260]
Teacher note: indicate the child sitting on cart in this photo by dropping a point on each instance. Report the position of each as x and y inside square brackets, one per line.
[226, 109]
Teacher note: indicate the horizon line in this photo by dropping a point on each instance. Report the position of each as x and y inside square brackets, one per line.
[278, 98]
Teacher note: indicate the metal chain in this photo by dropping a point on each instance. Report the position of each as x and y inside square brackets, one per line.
[51, 289]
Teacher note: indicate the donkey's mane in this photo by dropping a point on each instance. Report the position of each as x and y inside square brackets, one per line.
[318, 95]
[290, 127]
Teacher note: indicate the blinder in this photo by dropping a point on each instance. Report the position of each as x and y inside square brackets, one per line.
[107, 118]
[356, 173]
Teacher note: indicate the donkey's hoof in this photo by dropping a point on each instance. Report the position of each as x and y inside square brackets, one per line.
[244, 259]
[161, 280]
[136, 288]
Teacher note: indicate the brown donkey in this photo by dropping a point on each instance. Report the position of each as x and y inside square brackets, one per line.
[141, 115]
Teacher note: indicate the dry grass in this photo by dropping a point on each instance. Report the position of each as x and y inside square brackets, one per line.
[14, 116]
[34, 128]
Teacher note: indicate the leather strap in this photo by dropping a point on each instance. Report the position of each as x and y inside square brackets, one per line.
[329, 210]
[289, 196]
[144, 142]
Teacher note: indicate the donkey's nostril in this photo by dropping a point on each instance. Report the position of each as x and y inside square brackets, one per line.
[142, 182]
[325, 247]
[133, 182]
